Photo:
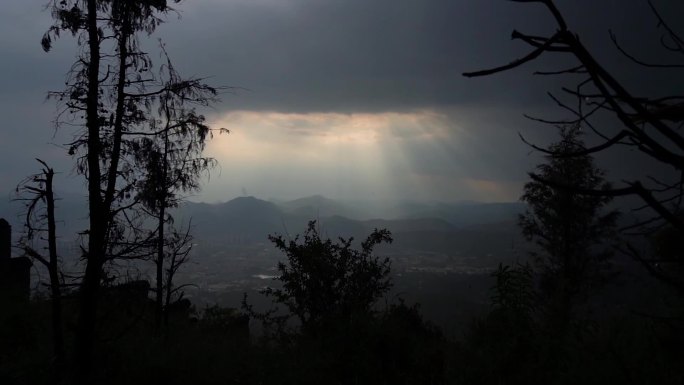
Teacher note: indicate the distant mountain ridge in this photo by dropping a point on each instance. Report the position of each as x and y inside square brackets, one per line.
[251, 210]
[432, 226]
[242, 218]
[246, 220]
[469, 214]
[318, 206]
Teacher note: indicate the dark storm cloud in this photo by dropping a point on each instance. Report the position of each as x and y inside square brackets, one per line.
[334, 55]
[350, 56]
[26, 75]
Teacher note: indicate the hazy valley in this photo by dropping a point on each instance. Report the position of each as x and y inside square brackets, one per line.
[441, 256]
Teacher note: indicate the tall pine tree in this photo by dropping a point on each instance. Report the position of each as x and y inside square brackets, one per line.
[568, 226]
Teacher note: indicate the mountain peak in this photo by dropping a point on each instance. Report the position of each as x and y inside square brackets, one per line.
[249, 198]
[317, 198]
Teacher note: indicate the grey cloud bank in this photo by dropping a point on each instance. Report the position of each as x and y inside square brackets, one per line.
[348, 57]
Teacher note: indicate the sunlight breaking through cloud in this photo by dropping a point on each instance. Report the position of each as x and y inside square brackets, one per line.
[374, 156]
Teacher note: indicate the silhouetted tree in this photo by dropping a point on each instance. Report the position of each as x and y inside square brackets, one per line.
[173, 163]
[325, 282]
[177, 250]
[332, 289]
[569, 228]
[529, 333]
[504, 346]
[571, 231]
[41, 220]
[110, 92]
[514, 291]
[667, 263]
[649, 124]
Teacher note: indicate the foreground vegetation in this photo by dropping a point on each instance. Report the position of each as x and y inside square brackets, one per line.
[351, 340]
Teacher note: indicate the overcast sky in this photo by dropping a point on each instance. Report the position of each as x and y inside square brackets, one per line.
[351, 99]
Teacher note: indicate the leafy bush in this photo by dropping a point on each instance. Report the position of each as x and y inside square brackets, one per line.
[326, 282]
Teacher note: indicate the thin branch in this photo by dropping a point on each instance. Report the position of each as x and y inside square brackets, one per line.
[635, 188]
[634, 253]
[638, 61]
[661, 22]
[538, 42]
[574, 70]
[516, 63]
[616, 139]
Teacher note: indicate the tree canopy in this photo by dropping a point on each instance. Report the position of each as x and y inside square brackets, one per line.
[325, 281]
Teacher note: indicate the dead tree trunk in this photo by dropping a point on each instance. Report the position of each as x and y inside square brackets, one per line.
[43, 191]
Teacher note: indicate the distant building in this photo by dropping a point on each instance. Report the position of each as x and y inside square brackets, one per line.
[15, 273]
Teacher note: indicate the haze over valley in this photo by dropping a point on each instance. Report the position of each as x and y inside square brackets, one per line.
[438, 248]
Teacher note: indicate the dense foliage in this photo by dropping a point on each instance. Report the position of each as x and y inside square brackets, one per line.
[325, 282]
[570, 229]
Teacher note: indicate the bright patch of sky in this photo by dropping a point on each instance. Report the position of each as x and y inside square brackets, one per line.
[345, 156]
